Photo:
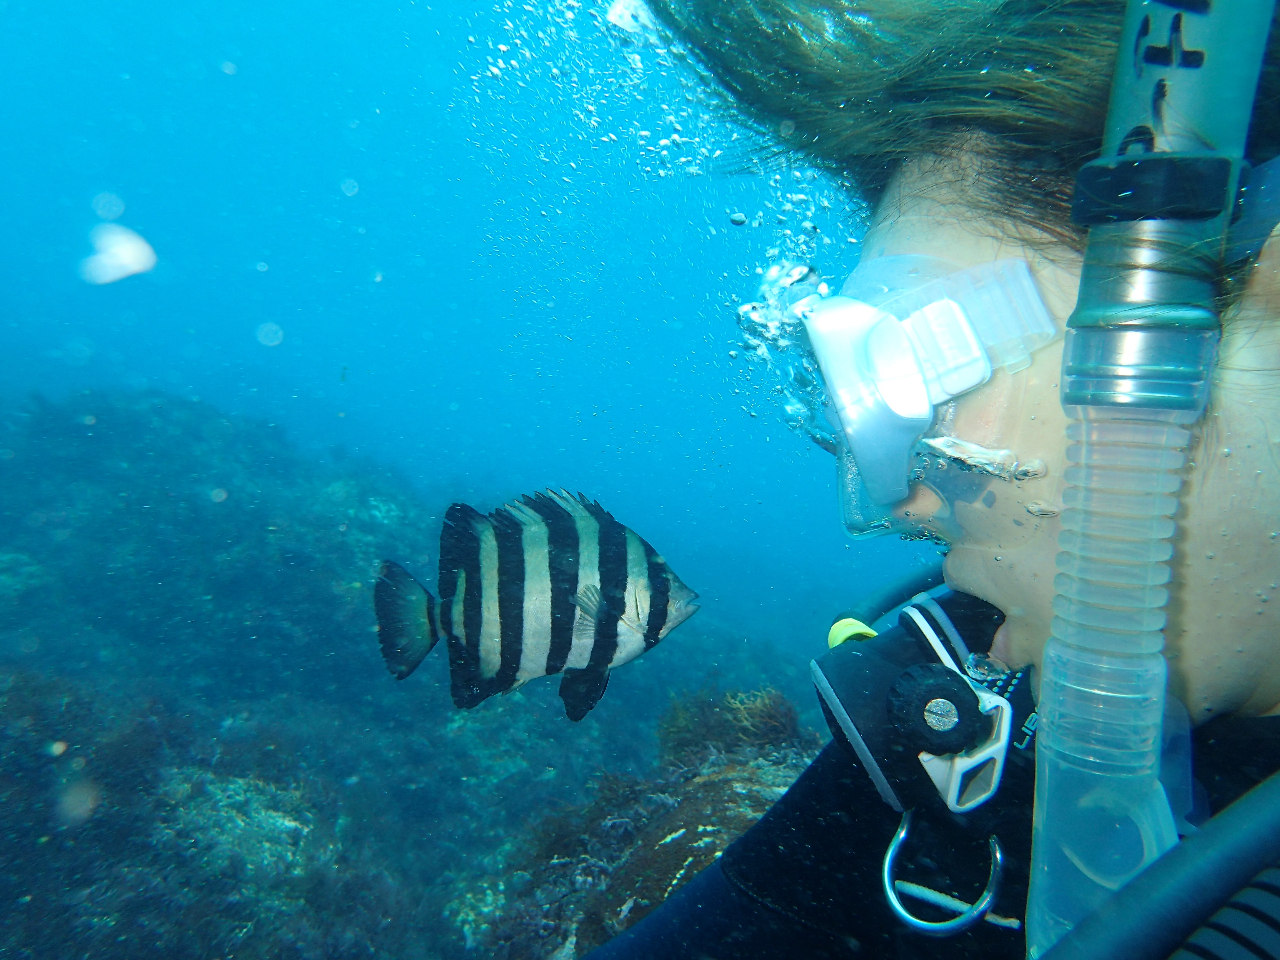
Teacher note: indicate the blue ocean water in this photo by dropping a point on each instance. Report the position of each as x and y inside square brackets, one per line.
[486, 249]
[505, 303]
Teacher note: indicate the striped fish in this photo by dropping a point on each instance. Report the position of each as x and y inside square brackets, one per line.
[552, 584]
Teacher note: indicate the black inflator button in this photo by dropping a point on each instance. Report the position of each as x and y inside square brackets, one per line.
[933, 708]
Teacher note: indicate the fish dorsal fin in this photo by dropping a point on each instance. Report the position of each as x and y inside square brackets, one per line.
[590, 602]
[570, 503]
[593, 508]
[523, 514]
[582, 689]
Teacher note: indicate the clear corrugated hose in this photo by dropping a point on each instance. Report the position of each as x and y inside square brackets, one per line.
[1102, 694]
[1137, 366]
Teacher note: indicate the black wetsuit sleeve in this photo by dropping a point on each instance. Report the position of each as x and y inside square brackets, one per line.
[804, 883]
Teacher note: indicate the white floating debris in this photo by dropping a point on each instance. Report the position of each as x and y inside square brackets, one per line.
[738, 219]
[120, 253]
[671, 836]
[349, 187]
[270, 334]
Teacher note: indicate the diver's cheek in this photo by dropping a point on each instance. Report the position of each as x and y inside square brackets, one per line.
[1020, 583]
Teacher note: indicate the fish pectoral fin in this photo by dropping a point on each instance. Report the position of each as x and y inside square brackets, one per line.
[584, 630]
[589, 601]
[582, 689]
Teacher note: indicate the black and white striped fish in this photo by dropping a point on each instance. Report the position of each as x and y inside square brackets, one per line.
[552, 584]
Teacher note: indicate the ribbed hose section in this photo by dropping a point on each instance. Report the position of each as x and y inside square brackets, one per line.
[1104, 813]
[1247, 928]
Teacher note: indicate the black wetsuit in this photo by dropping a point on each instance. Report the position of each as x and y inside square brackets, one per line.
[804, 882]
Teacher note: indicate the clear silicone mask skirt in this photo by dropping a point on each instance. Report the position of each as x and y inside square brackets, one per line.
[968, 484]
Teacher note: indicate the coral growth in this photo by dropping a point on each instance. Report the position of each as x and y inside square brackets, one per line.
[706, 722]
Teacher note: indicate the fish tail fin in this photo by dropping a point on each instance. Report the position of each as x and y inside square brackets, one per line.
[406, 619]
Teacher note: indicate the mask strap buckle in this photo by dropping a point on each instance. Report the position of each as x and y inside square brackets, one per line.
[944, 928]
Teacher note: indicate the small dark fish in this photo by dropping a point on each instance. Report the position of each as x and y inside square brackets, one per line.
[552, 584]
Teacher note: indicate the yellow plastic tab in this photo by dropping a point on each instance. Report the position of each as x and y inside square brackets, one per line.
[848, 629]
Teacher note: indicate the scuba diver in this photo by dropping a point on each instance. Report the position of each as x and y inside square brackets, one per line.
[1059, 354]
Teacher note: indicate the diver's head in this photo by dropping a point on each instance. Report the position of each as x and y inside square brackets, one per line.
[1223, 635]
[967, 135]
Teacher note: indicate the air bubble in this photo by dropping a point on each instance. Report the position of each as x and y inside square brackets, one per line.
[270, 334]
[108, 206]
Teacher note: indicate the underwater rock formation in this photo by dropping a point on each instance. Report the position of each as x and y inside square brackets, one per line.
[203, 755]
[121, 842]
[149, 516]
[592, 872]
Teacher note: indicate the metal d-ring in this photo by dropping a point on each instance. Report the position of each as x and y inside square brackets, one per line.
[945, 928]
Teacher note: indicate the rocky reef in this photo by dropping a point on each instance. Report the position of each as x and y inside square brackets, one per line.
[589, 873]
[203, 755]
[123, 841]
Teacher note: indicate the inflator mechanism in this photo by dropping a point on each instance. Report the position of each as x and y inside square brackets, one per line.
[917, 700]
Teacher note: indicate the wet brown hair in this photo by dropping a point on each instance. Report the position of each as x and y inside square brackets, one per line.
[863, 85]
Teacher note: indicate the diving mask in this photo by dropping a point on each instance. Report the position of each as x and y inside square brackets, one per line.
[907, 335]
